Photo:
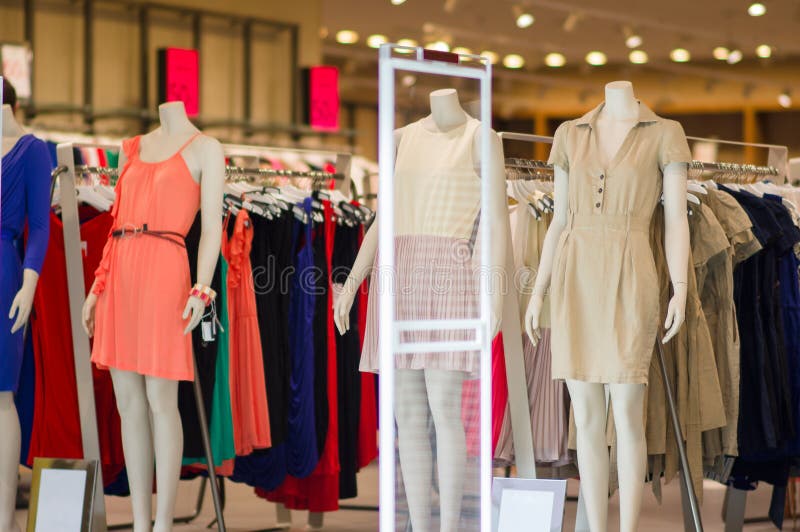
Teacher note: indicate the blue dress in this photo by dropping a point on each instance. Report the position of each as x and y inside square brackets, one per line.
[24, 192]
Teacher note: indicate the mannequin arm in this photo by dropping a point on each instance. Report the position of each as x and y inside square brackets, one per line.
[361, 268]
[557, 226]
[676, 244]
[211, 189]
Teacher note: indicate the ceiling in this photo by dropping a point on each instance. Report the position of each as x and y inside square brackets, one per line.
[576, 27]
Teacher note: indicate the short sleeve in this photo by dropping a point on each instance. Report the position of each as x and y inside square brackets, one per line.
[558, 152]
[674, 147]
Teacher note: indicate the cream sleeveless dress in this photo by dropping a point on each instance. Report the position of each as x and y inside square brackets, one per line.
[437, 204]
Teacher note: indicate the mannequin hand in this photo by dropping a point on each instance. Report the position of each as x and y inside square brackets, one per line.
[87, 315]
[23, 302]
[341, 308]
[676, 312]
[194, 308]
[532, 318]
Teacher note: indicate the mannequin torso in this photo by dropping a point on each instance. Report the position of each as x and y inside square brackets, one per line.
[617, 118]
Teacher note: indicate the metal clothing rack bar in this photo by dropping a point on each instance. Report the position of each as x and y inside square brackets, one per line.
[67, 172]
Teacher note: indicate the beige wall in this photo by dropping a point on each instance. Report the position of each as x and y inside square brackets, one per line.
[58, 48]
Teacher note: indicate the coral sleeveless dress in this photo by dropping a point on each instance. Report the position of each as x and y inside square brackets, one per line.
[143, 280]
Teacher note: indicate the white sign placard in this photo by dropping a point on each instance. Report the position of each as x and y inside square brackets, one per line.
[518, 508]
[60, 505]
[528, 505]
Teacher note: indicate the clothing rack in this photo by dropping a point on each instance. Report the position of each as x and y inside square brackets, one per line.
[67, 173]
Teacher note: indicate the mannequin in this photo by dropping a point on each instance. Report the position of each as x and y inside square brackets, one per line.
[442, 387]
[615, 124]
[20, 311]
[25, 202]
[141, 398]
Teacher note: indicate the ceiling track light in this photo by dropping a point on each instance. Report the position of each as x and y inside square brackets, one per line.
[596, 58]
[346, 37]
[764, 51]
[398, 2]
[522, 17]
[513, 61]
[632, 39]
[555, 60]
[571, 22]
[735, 56]
[638, 57]
[680, 55]
[721, 53]
[785, 99]
[756, 9]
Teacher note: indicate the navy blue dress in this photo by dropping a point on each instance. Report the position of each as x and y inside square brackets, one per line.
[24, 193]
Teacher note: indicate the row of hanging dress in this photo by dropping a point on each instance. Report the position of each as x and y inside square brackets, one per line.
[734, 365]
[259, 374]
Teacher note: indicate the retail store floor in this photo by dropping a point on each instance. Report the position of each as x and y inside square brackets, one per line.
[245, 512]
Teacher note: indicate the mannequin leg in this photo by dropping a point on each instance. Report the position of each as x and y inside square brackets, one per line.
[444, 398]
[416, 460]
[137, 443]
[627, 400]
[162, 396]
[589, 405]
[9, 461]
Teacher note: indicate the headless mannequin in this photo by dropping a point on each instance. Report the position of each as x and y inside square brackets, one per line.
[439, 390]
[616, 119]
[142, 399]
[9, 421]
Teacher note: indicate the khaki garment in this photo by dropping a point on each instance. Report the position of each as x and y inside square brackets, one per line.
[692, 372]
[604, 290]
[716, 295]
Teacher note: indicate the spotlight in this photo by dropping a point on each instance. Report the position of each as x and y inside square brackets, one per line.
[596, 58]
[721, 53]
[785, 99]
[513, 61]
[491, 56]
[764, 51]
[756, 9]
[398, 2]
[346, 37]
[376, 40]
[633, 41]
[460, 50]
[438, 45]
[735, 56]
[638, 57]
[407, 42]
[680, 55]
[555, 60]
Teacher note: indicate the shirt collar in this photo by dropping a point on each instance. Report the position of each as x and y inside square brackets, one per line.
[646, 116]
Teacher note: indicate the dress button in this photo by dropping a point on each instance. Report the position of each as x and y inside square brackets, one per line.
[600, 190]
[601, 176]
[597, 205]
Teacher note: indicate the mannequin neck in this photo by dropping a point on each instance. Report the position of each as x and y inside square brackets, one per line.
[173, 119]
[620, 103]
[11, 128]
[446, 110]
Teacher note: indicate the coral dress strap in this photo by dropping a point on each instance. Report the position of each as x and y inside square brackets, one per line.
[191, 139]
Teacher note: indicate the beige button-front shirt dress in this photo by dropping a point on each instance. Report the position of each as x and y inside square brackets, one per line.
[604, 289]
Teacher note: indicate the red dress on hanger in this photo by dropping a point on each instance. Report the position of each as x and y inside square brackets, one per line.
[56, 421]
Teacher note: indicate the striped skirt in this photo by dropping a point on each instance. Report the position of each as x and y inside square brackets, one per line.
[436, 278]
